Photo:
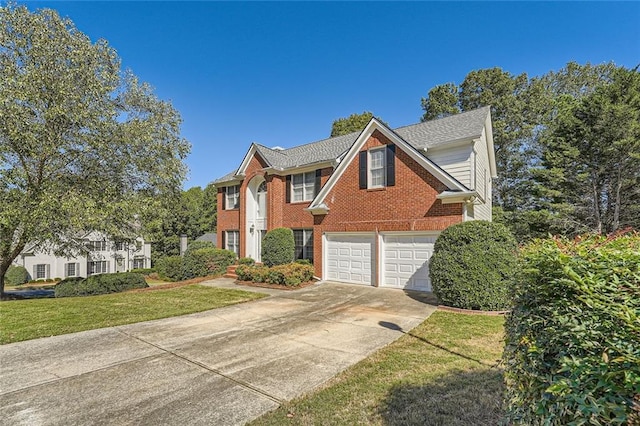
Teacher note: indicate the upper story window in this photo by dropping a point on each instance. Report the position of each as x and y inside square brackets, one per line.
[97, 245]
[377, 167]
[303, 186]
[232, 197]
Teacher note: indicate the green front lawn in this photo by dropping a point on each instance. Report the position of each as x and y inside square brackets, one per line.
[444, 372]
[29, 319]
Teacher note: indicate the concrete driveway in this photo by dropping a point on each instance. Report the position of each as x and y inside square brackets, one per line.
[221, 367]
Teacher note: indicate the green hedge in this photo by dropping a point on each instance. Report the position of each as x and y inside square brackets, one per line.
[292, 274]
[246, 261]
[99, 284]
[473, 264]
[196, 245]
[572, 353]
[16, 275]
[169, 268]
[278, 247]
[206, 261]
[143, 271]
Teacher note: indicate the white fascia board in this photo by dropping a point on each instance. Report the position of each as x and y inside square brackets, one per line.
[449, 197]
[451, 144]
[245, 161]
[300, 169]
[372, 126]
[233, 182]
[488, 130]
[322, 209]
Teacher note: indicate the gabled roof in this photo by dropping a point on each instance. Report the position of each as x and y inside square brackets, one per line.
[430, 134]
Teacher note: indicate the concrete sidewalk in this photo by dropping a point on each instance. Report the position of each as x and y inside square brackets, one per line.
[225, 366]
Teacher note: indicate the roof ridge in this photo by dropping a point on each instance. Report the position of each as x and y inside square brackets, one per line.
[279, 151]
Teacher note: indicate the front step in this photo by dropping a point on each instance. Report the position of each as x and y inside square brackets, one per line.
[231, 272]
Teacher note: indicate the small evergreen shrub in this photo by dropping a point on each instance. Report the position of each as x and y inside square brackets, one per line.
[304, 262]
[206, 261]
[473, 264]
[278, 247]
[572, 349]
[246, 261]
[197, 245]
[16, 275]
[169, 268]
[292, 274]
[143, 271]
[99, 284]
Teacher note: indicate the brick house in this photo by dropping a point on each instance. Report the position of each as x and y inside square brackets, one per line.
[365, 207]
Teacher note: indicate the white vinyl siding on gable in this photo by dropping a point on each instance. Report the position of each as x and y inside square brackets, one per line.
[482, 180]
[456, 161]
[377, 170]
[303, 187]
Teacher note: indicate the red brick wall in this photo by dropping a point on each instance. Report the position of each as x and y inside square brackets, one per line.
[228, 220]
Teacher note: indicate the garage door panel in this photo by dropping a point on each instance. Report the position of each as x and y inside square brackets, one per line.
[349, 258]
[406, 261]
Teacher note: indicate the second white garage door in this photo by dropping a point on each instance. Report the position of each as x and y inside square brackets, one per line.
[405, 261]
[350, 257]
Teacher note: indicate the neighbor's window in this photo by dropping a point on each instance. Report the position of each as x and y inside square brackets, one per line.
[138, 263]
[97, 267]
[97, 245]
[119, 246]
[70, 270]
[232, 241]
[232, 197]
[40, 271]
[377, 171]
[304, 243]
[303, 187]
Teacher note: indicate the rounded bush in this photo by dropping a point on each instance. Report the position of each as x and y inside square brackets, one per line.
[206, 261]
[196, 245]
[473, 265]
[99, 284]
[16, 275]
[246, 261]
[169, 267]
[278, 247]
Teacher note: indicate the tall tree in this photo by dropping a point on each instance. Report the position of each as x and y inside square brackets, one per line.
[442, 100]
[353, 123]
[83, 145]
[591, 157]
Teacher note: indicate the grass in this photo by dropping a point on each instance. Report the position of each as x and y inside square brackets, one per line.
[444, 372]
[30, 319]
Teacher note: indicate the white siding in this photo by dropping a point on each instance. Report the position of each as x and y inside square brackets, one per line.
[482, 211]
[454, 160]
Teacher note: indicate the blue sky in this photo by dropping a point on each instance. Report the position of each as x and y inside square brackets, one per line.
[280, 73]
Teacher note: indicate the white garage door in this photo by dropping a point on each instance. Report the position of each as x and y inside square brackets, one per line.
[350, 257]
[406, 261]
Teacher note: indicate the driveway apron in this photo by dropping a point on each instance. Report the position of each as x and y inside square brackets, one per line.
[225, 366]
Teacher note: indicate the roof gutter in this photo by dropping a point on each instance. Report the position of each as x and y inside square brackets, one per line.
[450, 197]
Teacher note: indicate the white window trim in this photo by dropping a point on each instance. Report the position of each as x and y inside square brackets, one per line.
[44, 271]
[236, 245]
[370, 169]
[306, 234]
[308, 189]
[75, 269]
[232, 200]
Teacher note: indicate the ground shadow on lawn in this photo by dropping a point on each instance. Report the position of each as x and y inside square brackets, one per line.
[459, 398]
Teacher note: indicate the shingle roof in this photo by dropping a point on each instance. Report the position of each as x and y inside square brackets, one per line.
[466, 125]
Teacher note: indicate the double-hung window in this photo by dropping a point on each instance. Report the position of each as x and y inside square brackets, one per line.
[303, 239]
[377, 167]
[232, 197]
[97, 267]
[40, 271]
[232, 241]
[303, 186]
[70, 270]
[98, 245]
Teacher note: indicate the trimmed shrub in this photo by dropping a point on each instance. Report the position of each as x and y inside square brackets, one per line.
[197, 245]
[292, 274]
[143, 271]
[206, 261]
[572, 350]
[473, 264]
[99, 284]
[16, 275]
[169, 267]
[278, 247]
[246, 261]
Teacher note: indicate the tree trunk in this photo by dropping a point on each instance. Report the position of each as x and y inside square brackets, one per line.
[596, 207]
[616, 207]
[3, 271]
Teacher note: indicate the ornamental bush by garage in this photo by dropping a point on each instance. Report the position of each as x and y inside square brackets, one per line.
[473, 265]
[572, 349]
[278, 247]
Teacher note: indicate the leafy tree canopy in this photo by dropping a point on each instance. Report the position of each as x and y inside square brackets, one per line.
[83, 144]
[353, 123]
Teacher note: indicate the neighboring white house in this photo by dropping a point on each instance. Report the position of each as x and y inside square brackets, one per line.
[104, 256]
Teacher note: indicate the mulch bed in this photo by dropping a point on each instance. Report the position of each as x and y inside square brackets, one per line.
[470, 311]
[275, 286]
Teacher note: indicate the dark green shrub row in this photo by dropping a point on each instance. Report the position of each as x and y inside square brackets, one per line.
[206, 261]
[99, 284]
[278, 247]
[143, 271]
[169, 268]
[473, 264]
[16, 275]
[572, 353]
[291, 274]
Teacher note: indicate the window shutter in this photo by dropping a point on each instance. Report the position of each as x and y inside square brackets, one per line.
[318, 183]
[363, 170]
[77, 270]
[288, 189]
[224, 239]
[391, 165]
[47, 271]
[224, 198]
